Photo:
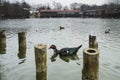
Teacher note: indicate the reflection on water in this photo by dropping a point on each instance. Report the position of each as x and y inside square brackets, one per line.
[22, 61]
[22, 53]
[2, 71]
[3, 51]
[64, 58]
[53, 57]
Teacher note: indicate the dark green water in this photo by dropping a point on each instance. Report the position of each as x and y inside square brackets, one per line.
[76, 32]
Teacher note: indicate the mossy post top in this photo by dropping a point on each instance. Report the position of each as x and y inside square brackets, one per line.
[40, 46]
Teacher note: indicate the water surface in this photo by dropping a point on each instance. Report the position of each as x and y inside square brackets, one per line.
[76, 32]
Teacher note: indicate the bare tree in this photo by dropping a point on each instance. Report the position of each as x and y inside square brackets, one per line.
[57, 5]
[75, 6]
[66, 7]
[114, 4]
[114, 1]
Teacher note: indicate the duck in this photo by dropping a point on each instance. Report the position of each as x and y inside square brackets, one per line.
[65, 51]
[61, 28]
[107, 31]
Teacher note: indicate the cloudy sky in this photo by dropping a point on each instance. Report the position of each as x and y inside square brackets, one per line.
[64, 2]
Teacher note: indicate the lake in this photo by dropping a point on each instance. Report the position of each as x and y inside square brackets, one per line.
[76, 32]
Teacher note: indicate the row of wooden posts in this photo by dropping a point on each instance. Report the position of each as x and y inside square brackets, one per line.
[21, 41]
[90, 57]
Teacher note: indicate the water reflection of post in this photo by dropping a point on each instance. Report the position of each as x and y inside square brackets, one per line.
[1, 73]
[2, 42]
[22, 45]
[40, 60]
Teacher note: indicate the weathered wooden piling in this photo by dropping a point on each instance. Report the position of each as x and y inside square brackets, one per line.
[2, 41]
[92, 42]
[22, 44]
[40, 60]
[90, 64]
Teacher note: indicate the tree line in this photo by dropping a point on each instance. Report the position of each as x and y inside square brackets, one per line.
[21, 9]
[108, 10]
[114, 4]
[14, 10]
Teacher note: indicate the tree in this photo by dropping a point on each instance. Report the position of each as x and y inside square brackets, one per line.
[66, 7]
[15, 10]
[44, 7]
[113, 1]
[75, 6]
[25, 9]
[84, 7]
[6, 6]
[57, 5]
[0, 8]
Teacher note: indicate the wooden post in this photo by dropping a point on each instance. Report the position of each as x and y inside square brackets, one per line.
[92, 42]
[40, 60]
[22, 44]
[90, 64]
[2, 42]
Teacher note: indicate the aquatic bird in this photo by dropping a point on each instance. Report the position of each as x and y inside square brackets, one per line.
[65, 51]
[107, 31]
[61, 27]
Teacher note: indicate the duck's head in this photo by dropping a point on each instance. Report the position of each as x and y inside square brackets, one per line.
[52, 46]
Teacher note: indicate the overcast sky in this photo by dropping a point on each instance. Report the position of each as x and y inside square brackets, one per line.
[64, 2]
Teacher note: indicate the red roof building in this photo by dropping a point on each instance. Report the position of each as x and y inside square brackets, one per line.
[60, 13]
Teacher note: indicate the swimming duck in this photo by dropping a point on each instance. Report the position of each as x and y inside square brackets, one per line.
[61, 27]
[65, 51]
[107, 31]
